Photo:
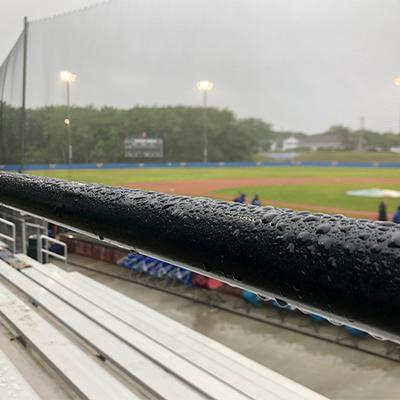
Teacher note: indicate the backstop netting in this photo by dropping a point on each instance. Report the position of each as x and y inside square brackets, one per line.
[133, 60]
[137, 63]
[10, 104]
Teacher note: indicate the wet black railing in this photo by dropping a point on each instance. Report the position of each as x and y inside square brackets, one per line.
[344, 269]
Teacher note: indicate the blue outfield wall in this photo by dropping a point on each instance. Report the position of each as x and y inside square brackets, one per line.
[33, 167]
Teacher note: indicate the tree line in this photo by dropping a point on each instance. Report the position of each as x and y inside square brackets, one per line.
[98, 134]
[365, 139]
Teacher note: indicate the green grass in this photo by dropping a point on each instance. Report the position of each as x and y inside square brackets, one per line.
[328, 195]
[123, 176]
[318, 195]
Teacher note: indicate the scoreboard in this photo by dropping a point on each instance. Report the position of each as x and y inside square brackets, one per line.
[143, 147]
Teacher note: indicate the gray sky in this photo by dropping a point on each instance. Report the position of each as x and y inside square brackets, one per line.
[12, 13]
[299, 64]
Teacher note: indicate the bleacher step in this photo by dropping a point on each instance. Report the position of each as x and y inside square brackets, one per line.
[189, 372]
[12, 384]
[75, 366]
[135, 364]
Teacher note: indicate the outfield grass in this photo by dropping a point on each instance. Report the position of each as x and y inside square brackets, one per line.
[333, 196]
[123, 176]
[324, 195]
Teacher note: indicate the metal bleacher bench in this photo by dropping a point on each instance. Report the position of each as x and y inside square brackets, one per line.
[214, 370]
[73, 364]
[224, 364]
[162, 358]
[154, 378]
[12, 383]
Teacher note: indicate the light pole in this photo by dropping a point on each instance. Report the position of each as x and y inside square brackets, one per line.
[205, 87]
[397, 83]
[68, 77]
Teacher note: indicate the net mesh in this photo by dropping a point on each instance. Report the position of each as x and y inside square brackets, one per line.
[137, 64]
[10, 104]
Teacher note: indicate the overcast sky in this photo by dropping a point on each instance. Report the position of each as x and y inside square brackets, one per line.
[299, 64]
[12, 13]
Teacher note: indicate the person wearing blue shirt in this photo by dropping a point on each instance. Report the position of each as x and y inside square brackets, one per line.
[256, 200]
[396, 216]
[240, 199]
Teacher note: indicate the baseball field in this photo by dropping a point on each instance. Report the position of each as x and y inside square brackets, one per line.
[319, 189]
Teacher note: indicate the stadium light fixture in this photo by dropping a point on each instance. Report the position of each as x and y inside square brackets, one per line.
[205, 87]
[67, 76]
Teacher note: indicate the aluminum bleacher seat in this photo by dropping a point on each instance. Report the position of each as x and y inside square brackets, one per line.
[167, 359]
[153, 377]
[12, 384]
[220, 362]
[66, 358]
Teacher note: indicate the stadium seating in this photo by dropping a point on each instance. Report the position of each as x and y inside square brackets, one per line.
[65, 357]
[156, 268]
[159, 354]
[12, 384]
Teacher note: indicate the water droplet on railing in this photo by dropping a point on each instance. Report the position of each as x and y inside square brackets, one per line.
[281, 302]
[311, 218]
[335, 322]
[291, 247]
[332, 261]
[268, 217]
[323, 228]
[263, 297]
[364, 235]
[395, 240]
[377, 337]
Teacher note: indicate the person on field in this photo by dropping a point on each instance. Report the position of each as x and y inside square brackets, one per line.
[396, 216]
[256, 200]
[382, 211]
[240, 199]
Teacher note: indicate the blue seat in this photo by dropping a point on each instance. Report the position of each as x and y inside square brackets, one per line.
[251, 297]
[316, 318]
[160, 269]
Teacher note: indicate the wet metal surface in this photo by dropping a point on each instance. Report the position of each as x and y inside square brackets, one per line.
[334, 371]
[343, 268]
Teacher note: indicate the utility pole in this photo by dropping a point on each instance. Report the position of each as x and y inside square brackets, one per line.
[68, 77]
[397, 83]
[68, 122]
[205, 87]
[360, 137]
[399, 121]
[205, 127]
